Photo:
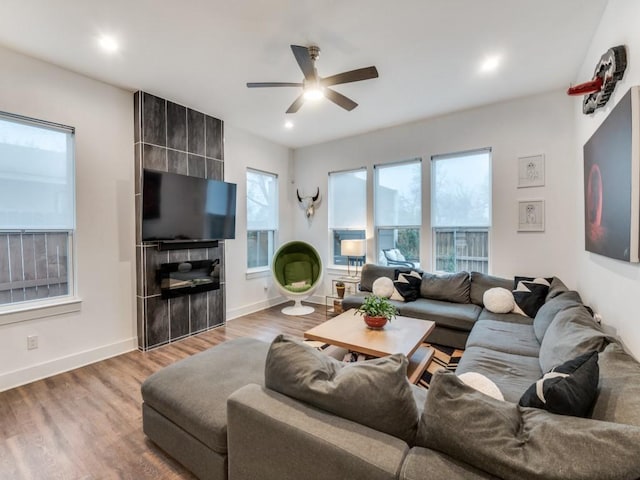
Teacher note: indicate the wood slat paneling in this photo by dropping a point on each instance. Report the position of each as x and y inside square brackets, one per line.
[87, 423]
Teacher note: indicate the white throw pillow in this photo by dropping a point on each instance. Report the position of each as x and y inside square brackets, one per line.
[482, 384]
[498, 300]
[383, 287]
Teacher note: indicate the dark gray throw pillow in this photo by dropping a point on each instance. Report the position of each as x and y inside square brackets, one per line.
[481, 282]
[375, 393]
[568, 389]
[551, 308]
[571, 333]
[618, 397]
[520, 443]
[448, 287]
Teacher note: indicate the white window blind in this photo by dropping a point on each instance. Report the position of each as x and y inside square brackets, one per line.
[398, 194]
[461, 189]
[262, 200]
[348, 200]
[36, 175]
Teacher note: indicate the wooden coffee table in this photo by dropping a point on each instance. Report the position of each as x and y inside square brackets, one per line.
[401, 335]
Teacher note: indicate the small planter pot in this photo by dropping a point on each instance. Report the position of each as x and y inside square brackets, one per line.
[340, 291]
[375, 323]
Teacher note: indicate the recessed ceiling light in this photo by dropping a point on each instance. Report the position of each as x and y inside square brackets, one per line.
[288, 124]
[108, 43]
[490, 64]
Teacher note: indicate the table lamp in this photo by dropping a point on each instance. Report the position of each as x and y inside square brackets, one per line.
[352, 248]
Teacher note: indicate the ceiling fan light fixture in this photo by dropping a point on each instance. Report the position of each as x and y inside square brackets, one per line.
[313, 93]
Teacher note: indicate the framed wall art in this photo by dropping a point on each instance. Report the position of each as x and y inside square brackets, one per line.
[531, 171]
[611, 183]
[531, 216]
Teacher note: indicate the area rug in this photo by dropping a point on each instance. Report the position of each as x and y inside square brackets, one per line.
[444, 358]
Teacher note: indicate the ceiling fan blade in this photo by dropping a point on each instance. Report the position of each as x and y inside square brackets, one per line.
[352, 76]
[273, 84]
[297, 103]
[340, 99]
[304, 60]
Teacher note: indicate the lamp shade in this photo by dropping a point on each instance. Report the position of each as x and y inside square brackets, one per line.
[352, 248]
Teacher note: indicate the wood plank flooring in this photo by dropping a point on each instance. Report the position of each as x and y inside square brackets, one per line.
[87, 423]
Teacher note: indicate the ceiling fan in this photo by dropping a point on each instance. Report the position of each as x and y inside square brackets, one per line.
[315, 87]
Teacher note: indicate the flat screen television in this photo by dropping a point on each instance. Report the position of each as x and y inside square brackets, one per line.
[182, 208]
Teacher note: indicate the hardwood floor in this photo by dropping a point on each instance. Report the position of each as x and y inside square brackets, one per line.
[87, 423]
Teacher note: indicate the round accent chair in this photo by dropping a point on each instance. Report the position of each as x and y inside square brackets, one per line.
[297, 271]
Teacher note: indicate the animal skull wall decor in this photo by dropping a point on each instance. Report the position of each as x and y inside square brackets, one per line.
[309, 203]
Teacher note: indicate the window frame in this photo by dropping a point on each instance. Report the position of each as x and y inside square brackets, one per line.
[377, 227]
[25, 310]
[332, 229]
[273, 238]
[466, 228]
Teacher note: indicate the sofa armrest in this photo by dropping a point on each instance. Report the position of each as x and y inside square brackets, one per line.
[272, 436]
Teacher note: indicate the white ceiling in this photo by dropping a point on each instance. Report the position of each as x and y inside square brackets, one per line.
[201, 53]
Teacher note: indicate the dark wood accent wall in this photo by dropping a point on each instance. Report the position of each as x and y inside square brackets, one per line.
[173, 138]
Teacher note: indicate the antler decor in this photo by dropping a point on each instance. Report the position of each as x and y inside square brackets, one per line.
[598, 90]
[309, 203]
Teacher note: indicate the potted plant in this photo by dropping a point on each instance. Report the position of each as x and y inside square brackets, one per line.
[340, 289]
[377, 311]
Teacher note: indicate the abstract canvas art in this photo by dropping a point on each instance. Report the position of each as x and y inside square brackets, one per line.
[611, 178]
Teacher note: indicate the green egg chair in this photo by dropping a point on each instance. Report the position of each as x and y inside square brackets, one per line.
[297, 271]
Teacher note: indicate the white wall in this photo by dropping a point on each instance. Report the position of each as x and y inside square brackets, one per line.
[103, 117]
[243, 150]
[526, 126]
[610, 286]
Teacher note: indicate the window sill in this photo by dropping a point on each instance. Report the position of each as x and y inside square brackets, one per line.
[258, 273]
[33, 310]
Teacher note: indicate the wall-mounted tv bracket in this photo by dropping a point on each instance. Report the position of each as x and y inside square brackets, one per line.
[609, 70]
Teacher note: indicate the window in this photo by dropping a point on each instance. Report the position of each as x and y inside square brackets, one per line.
[398, 212]
[347, 210]
[262, 218]
[461, 211]
[37, 210]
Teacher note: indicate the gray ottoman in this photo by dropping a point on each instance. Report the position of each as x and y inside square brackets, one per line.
[185, 404]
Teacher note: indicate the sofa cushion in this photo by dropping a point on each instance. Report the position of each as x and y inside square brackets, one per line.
[460, 316]
[505, 337]
[296, 272]
[420, 460]
[571, 333]
[481, 282]
[505, 317]
[449, 287]
[557, 287]
[550, 309]
[512, 373]
[521, 443]
[192, 393]
[568, 389]
[618, 398]
[375, 393]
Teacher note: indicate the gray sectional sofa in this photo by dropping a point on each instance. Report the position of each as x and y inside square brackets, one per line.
[453, 302]
[224, 422]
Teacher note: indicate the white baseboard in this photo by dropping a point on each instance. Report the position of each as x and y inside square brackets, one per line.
[64, 364]
[256, 307]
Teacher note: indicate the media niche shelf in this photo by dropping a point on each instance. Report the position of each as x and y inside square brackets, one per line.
[185, 278]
